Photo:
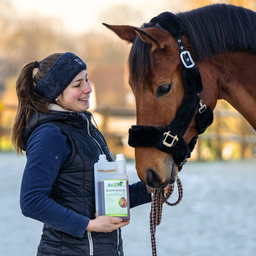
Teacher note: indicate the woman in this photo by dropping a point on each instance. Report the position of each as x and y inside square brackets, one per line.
[54, 128]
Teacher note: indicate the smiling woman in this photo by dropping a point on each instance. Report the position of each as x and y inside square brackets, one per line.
[62, 145]
[76, 96]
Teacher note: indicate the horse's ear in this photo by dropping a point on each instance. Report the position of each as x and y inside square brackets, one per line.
[158, 38]
[125, 32]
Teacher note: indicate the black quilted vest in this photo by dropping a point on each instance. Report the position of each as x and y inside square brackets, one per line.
[74, 188]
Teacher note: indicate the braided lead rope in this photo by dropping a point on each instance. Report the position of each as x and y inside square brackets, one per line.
[156, 210]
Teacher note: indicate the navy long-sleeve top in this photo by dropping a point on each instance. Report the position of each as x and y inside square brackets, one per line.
[47, 150]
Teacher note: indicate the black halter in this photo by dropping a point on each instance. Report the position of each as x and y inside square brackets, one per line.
[170, 139]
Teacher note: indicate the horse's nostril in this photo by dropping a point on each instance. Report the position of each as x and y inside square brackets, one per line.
[153, 179]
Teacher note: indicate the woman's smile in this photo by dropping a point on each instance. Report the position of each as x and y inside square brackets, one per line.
[76, 96]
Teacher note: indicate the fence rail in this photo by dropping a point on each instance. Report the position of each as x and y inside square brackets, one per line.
[228, 127]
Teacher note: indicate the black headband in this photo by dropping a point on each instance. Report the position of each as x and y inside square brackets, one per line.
[60, 75]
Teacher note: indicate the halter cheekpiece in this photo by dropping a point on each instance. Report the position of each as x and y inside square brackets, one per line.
[170, 139]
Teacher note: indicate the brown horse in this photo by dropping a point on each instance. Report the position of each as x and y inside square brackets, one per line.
[170, 91]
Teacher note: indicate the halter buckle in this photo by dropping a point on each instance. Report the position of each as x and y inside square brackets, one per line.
[187, 59]
[174, 139]
[184, 161]
[202, 107]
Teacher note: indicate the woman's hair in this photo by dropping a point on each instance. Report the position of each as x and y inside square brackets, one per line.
[29, 100]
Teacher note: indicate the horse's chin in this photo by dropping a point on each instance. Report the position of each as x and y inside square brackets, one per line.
[174, 173]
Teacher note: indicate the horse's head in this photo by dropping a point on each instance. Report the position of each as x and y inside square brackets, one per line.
[156, 78]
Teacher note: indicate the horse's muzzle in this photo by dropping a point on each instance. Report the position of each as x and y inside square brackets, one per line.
[154, 180]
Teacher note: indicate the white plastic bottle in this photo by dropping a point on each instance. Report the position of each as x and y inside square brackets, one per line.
[112, 188]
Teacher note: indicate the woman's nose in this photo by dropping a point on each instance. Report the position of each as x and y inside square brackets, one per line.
[87, 88]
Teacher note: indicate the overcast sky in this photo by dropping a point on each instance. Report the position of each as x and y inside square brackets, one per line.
[81, 15]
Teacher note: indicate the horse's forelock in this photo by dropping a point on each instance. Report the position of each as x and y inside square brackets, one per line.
[140, 62]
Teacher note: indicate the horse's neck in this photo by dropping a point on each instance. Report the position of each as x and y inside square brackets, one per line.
[233, 76]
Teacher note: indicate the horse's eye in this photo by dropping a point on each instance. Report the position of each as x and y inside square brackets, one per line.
[163, 89]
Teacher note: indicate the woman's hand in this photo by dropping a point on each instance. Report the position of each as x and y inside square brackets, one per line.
[166, 189]
[106, 224]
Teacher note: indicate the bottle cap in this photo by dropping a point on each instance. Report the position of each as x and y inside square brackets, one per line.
[120, 164]
[120, 157]
[102, 158]
[104, 165]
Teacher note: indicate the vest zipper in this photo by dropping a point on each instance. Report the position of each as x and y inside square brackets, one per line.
[88, 128]
[89, 234]
[118, 251]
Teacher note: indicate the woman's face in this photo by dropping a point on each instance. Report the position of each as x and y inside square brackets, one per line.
[76, 96]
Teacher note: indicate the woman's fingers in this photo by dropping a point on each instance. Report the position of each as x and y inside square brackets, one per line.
[117, 223]
[168, 188]
[106, 224]
[121, 224]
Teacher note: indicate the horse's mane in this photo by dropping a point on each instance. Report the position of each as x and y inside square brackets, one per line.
[220, 28]
[211, 30]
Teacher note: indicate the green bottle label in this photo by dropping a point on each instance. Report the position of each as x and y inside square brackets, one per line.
[115, 197]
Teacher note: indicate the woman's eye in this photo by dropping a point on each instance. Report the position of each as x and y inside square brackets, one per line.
[163, 89]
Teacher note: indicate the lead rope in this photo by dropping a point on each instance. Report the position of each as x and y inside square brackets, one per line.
[156, 210]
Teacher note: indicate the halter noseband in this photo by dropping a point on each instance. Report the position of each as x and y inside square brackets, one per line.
[170, 139]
